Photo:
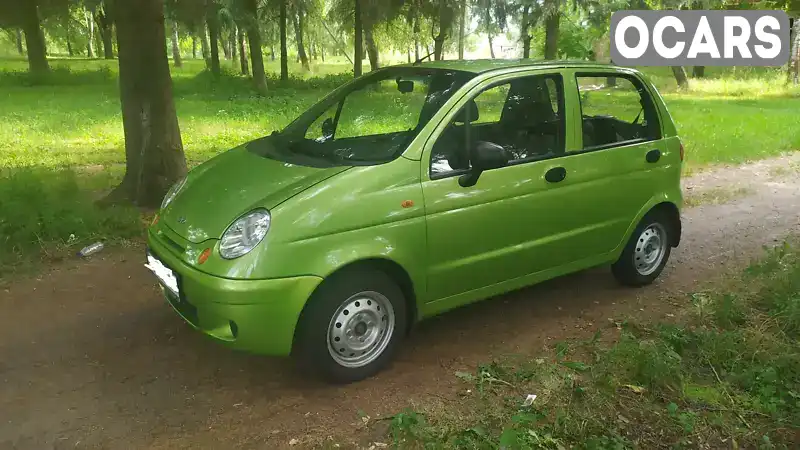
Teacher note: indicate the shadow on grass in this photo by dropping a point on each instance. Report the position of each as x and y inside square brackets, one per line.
[47, 213]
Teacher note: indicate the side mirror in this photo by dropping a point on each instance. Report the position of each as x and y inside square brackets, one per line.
[485, 156]
[405, 86]
[327, 128]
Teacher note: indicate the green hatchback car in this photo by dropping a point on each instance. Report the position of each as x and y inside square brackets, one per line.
[416, 189]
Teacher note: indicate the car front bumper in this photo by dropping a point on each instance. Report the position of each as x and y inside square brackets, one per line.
[258, 316]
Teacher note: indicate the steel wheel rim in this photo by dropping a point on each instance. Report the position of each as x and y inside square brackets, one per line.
[651, 246]
[360, 329]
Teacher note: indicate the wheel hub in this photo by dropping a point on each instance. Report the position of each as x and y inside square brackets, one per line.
[650, 249]
[360, 329]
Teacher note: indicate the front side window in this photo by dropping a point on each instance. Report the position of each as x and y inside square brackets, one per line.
[615, 110]
[523, 115]
[370, 121]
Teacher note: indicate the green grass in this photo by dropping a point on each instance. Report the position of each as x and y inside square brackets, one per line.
[727, 375]
[69, 122]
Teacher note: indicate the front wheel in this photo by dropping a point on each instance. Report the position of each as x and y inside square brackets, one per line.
[351, 326]
[646, 253]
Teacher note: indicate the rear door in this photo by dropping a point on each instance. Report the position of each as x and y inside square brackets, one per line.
[615, 168]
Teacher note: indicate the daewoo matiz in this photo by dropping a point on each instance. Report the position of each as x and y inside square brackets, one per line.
[413, 190]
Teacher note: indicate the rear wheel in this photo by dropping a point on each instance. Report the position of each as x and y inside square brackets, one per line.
[646, 253]
[351, 326]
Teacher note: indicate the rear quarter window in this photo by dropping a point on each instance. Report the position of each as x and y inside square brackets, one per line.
[616, 109]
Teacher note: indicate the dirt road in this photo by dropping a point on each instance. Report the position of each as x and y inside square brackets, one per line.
[92, 357]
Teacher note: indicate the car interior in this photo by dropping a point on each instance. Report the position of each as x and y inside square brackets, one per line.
[529, 126]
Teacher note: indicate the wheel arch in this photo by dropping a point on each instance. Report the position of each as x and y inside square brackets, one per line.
[673, 215]
[664, 205]
[392, 269]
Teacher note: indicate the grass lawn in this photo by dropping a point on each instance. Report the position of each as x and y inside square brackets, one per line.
[725, 375]
[61, 139]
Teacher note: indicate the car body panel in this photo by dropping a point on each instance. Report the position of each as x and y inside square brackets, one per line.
[209, 202]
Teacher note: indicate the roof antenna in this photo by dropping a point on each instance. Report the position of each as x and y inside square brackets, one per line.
[419, 60]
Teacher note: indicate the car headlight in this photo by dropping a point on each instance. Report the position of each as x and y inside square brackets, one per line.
[172, 192]
[244, 234]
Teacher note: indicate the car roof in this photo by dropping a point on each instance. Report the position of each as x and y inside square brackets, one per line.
[486, 65]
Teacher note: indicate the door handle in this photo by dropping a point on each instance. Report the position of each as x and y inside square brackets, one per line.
[555, 174]
[653, 156]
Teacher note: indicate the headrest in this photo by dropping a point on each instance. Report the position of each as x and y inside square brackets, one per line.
[468, 113]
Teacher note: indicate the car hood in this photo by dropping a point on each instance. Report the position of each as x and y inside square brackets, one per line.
[231, 184]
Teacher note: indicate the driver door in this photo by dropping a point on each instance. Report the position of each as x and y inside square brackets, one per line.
[507, 225]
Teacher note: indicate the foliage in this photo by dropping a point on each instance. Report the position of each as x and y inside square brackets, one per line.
[729, 372]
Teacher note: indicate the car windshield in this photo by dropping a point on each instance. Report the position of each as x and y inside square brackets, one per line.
[369, 121]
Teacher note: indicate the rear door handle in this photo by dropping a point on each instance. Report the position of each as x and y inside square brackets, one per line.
[653, 156]
[555, 174]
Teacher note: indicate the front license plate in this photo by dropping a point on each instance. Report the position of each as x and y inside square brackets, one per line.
[164, 274]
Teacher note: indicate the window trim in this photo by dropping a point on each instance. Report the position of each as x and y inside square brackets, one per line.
[640, 86]
[561, 82]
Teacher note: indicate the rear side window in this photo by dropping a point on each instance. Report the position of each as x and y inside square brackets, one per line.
[616, 110]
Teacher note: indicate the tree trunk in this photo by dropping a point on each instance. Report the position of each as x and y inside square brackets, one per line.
[256, 57]
[69, 38]
[194, 46]
[416, 48]
[284, 51]
[551, 24]
[108, 42]
[213, 35]
[90, 26]
[34, 38]
[105, 21]
[680, 76]
[226, 50]
[271, 52]
[793, 69]
[176, 50]
[358, 45]
[408, 55]
[322, 52]
[698, 71]
[525, 35]
[242, 52]
[153, 148]
[491, 45]
[204, 46]
[372, 48]
[462, 21]
[234, 44]
[298, 38]
[438, 46]
[19, 42]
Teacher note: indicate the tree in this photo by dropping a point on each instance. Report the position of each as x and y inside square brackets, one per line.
[176, 50]
[212, 19]
[298, 20]
[153, 147]
[284, 51]
[358, 46]
[492, 19]
[444, 22]
[254, 40]
[90, 27]
[243, 53]
[462, 20]
[27, 15]
[104, 17]
[552, 19]
[680, 76]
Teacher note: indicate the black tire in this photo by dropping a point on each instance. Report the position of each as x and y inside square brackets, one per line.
[625, 269]
[311, 347]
